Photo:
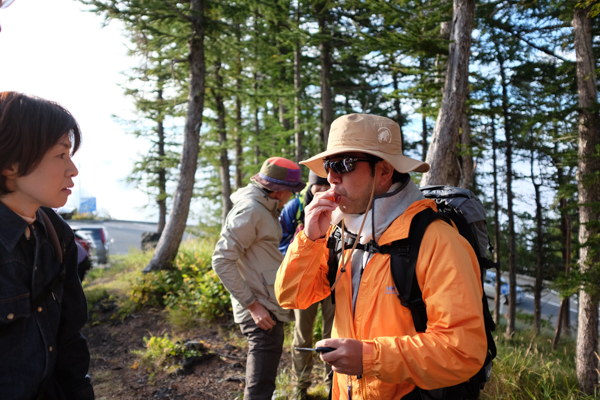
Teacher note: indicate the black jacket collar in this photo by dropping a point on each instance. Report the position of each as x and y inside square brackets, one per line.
[12, 226]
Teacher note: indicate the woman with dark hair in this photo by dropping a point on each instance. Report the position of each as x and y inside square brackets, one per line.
[42, 304]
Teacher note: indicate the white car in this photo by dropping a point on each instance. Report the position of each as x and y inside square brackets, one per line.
[489, 286]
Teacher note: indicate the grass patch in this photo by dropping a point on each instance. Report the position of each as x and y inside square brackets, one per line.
[117, 277]
[103, 286]
[234, 337]
[94, 296]
[284, 387]
[163, 354]
[527, 368]
[288, 332]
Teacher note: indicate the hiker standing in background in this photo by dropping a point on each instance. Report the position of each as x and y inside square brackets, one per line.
[246, 260]
[292, 222]
[378, 352]
[43, 355]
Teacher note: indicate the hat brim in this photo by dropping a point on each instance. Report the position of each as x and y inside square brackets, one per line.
[276, 187]
[400, 162]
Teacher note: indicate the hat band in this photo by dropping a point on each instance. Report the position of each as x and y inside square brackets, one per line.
[277, 181]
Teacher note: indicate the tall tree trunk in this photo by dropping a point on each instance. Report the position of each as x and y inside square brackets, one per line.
[441, 152]
[226, 203]
[424, 146]
[466, 156]
[564, 313]
[559, 324]
[537, 288]
[285, 122]
[166, 249]
[512, 244]
[496, 223]
[424, 133]
[297, 91]
[398, 108]
[445, 28]
[256, 137]
[589, 197]
[161, 200]
[325, 50]
[239, 152]
[567, 261]
[281, 25]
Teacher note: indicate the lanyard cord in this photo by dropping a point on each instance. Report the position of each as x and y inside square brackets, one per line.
[344, 259]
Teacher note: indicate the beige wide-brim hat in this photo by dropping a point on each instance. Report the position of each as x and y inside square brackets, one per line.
[370, 134]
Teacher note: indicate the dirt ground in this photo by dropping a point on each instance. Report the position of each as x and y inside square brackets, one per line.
[219, 374]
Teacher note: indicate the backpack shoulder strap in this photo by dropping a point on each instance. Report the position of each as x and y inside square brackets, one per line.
[59, 250]
[52, 236]
[334, 244]
[403, 263]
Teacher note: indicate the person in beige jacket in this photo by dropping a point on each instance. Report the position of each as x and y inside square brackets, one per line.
[246, 260]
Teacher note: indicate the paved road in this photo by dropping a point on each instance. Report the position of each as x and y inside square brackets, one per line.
[123, 235]
[550, 302]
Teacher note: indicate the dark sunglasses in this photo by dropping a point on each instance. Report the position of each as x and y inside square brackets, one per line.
[343, 165]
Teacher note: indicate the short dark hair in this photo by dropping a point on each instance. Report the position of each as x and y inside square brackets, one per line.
[29, 127]
[397, 177]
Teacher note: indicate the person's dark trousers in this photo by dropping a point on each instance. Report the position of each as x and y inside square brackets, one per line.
[264, 353]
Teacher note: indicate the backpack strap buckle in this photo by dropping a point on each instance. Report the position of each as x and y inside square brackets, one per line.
[372, 247]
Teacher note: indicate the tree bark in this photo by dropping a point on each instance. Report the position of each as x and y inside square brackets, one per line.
[439, 60]
[496, 223]
[226, 203]
[537, 288]
[424, 146]
[467, 170]
[512, 245]
[297, 91]
[239, 152]
[166, 249]
[325, 51]
[559, 324]
[589, 196]
[398, 108]
[567, 260]
[441, 152]
[161, 200]
[256, 137]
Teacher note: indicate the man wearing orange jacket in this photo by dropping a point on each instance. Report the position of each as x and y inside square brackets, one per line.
[379, 354]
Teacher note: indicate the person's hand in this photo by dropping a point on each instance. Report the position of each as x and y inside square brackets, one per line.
[317, 215]
[261, 316]
[346, 359]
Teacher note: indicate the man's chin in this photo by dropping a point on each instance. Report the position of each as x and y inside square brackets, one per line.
[346, 209]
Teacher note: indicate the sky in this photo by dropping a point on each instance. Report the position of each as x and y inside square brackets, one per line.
[55, 50]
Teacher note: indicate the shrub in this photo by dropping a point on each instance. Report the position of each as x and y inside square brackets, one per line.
[163, 354]
[189, 291]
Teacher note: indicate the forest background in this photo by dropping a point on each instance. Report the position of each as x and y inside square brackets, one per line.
[505, 91]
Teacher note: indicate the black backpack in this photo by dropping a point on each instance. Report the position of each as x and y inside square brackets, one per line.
[455, 206]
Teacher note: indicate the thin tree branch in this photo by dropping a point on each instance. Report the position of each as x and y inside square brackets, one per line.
[354, 88]
[518, 36]
[177, 11]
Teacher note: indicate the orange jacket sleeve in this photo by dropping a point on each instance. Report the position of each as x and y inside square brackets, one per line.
[302, 278]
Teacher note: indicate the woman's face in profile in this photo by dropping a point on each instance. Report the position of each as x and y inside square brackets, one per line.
[48, 185]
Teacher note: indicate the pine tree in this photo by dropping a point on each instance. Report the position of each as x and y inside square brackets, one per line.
[589, 199]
